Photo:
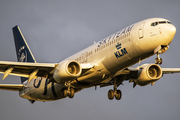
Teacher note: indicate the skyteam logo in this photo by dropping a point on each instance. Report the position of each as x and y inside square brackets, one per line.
[22, 54]
[120, 51]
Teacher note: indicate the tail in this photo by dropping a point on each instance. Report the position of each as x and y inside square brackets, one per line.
[23, 51]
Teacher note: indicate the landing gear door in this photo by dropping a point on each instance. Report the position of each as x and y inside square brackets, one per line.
[141, 31]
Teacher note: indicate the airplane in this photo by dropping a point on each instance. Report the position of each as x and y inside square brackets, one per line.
[105, 63]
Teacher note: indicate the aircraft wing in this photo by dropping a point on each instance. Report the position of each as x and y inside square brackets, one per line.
[131, 73]
[31, 70]
[170, 70]
[25, 69]
[164, 70]
[12, 87]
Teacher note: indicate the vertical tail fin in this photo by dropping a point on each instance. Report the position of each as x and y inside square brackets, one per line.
[23, 51]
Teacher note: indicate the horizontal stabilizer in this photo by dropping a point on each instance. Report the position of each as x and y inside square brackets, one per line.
[12, 87]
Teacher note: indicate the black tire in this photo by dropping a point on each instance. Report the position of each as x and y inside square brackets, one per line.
[156, 61]
[160, 61]
[71, 95]
[111, 94]
[64, 93]
[118, 95]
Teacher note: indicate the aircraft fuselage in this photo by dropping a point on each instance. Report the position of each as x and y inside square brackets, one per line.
[114, 53]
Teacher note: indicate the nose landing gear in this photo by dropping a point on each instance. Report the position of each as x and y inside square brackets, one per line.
[158, 60]
[160, 50]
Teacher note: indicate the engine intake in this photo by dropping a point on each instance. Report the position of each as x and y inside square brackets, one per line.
[149, 73]
[66, 71]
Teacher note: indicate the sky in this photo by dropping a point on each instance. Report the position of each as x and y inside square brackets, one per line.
[56, 29]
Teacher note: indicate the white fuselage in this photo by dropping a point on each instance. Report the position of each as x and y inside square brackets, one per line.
[112, 54]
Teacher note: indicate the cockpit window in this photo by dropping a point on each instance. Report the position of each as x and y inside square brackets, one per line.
[156, 23]
[160, 22]
[152, 24]
[169, 22]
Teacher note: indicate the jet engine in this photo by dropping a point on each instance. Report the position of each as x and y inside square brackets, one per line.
[67, 71]
[148, 73]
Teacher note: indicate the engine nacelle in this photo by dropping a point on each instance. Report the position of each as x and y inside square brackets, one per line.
[66, 71]
[149, 73]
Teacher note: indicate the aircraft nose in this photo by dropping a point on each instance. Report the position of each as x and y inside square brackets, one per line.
[169, 32]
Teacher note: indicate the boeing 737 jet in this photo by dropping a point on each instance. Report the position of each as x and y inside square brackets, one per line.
[105, 63]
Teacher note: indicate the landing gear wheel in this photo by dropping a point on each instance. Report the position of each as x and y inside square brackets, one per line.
[111, 94]
[71, 93]
[118, 95]
[64, 93]
[158, 61]
[68, 91]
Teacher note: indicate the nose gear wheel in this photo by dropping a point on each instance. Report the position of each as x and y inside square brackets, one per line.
[158, 60]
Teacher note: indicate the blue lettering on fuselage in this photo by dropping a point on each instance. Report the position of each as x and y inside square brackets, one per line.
[114, 36]
[120, 52]
[118, 46]
[37, 83]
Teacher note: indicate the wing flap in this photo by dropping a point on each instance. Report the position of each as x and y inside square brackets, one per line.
[12, 87]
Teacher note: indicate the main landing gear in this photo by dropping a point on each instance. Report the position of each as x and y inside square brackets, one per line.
[158, 60]
[69, 91]
[114, 93]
